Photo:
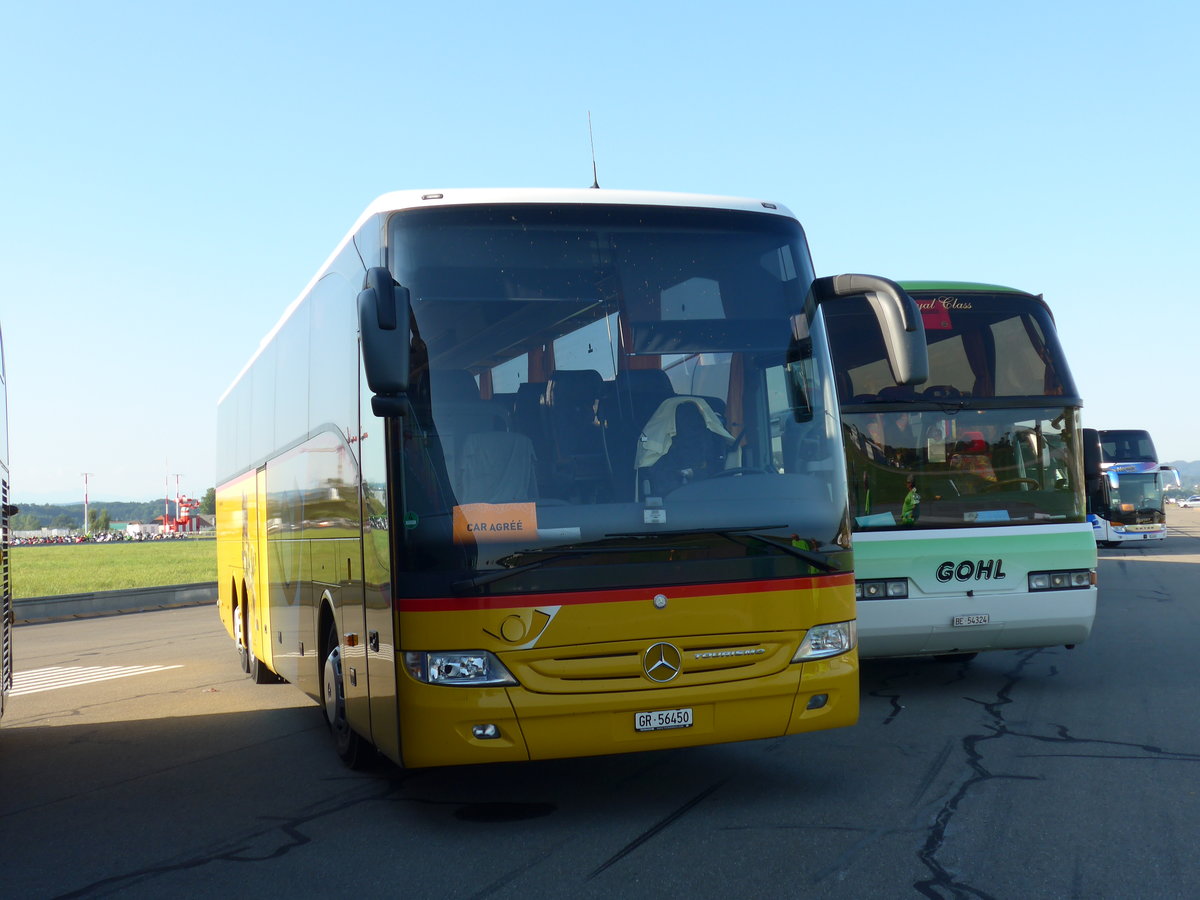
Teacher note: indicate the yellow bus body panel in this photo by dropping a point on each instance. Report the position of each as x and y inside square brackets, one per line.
[237, 517]
[579, 663]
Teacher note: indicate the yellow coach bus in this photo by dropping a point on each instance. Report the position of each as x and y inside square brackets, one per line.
[526, 474]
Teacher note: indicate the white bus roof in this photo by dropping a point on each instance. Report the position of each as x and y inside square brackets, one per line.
[402, 200]
[398, 200]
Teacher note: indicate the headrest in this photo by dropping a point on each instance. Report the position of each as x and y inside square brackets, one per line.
[452, 386]
[973, 442]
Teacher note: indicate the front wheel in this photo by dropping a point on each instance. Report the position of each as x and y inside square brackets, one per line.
[350, 747]
[955, 657]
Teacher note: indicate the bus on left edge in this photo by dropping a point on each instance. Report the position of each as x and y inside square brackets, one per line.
[531, 474]
[6, 513]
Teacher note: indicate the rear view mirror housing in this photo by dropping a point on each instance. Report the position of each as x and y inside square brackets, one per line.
[898, 316]
[383, 321]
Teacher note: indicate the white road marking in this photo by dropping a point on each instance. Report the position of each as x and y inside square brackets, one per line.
[56, 677]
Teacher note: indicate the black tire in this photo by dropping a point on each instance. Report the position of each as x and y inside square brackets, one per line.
[955, 657]
[259, 673]
[351, 748]
[239, 638]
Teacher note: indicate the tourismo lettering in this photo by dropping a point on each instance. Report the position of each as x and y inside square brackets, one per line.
[967, 570]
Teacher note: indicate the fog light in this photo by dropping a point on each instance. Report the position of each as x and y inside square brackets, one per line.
[485, 732]
[816, 701]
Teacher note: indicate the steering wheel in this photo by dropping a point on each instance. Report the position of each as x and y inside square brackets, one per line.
[1000, 485]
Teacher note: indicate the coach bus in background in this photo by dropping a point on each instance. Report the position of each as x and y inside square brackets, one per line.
[1127, 504]
[967, 493]
[6, 513]
[528, 502]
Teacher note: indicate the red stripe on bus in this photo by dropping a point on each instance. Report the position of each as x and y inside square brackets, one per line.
[619, 595]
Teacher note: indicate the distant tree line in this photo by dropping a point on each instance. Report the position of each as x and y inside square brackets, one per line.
[35, 516]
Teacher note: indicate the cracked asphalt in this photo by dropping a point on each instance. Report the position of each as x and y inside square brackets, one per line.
[1039, 773]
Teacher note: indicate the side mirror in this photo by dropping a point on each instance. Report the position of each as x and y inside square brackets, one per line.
[383, 323]
[898, 316]
[1091, 453]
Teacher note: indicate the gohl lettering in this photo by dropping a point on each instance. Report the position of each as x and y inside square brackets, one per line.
[971, 570]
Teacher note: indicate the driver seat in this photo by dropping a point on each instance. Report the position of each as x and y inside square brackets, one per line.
[684, 441]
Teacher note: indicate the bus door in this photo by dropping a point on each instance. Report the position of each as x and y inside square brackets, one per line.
[259, 605]
[376, 583]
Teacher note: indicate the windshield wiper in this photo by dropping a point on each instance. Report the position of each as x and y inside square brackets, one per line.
[812, 557]
[687, 531]
[488, 577]
[815, 559]
[485, 578]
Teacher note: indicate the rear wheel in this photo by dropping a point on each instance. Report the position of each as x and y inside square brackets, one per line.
[239, 638]
[259, 673]
[350, 747]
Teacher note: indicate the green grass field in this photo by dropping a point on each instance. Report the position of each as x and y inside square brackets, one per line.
[79, 568]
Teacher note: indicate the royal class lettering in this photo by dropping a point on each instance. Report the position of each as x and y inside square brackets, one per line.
[940, 303]
[971, 570]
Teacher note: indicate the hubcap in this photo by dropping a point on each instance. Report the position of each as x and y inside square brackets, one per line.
[333, 685]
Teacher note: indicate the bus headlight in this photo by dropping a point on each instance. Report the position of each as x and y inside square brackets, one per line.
[881, 588]
[457, 667]
[827, 640]
[1062, 580]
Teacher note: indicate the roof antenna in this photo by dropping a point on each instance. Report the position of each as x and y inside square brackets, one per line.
[595, 180]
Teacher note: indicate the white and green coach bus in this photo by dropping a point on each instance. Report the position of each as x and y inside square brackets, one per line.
[967, 493]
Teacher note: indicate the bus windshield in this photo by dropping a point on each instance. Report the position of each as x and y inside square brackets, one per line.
[598, 387]
[1137, 499]
[985, 467]
[986, 441]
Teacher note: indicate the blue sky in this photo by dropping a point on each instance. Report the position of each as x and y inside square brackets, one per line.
[171, 175]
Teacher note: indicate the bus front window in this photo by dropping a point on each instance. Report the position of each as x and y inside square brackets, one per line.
[600, 387]
[974, 467]
[1138, 498]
